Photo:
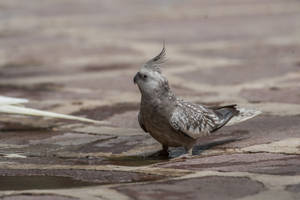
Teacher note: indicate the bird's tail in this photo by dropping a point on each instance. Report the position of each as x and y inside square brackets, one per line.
[243, 115]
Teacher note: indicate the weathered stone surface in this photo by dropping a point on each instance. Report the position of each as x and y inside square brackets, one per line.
[207, 188]
[251, 72]
[273, 94]
[265, 163]
[293, 188]
[104, 112]
[263, 129]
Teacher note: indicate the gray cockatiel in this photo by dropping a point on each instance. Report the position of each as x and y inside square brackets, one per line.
[172, 121]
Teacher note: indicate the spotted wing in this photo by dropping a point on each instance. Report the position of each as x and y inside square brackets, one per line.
[194, 120]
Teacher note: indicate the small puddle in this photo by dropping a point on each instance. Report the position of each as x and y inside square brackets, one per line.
[136, 161]
[40, 182]
[153, 159]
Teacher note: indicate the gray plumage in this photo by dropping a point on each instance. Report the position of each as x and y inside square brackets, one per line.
[172, 121]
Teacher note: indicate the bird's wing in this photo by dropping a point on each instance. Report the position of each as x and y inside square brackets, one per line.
[140, 119]
[194, 120]
[226, 113]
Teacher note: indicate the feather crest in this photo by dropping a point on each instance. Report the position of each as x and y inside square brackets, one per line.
[154, 63]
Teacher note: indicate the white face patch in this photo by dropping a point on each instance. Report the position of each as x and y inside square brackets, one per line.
[152, 81]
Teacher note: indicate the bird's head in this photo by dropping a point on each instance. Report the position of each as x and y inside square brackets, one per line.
[149, 79]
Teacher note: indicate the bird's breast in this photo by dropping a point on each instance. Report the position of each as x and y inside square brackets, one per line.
[154, 116]
[156, 122]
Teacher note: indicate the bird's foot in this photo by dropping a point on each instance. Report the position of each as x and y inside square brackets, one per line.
[161, 153]
[186, 155]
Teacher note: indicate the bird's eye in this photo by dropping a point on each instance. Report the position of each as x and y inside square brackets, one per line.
[145, 76]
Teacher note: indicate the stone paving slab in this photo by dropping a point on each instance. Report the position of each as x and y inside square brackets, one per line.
[265, 163]
[79, 57]
[194, 188]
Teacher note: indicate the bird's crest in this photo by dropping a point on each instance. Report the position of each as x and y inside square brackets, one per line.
[155, 63]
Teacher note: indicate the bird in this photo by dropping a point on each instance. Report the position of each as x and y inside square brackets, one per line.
[172, 121]
[11, 105]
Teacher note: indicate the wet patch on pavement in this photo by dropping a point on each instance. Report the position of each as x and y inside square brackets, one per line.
[40, 182]
[29, 196]
[91, 177]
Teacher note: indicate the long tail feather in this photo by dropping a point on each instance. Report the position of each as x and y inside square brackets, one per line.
[244, 114]
[8, 100]
[12, 109]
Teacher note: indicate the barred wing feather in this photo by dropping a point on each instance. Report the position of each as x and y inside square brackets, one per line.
[194, 120]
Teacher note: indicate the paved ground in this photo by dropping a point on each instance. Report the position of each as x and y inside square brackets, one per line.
[79, 57]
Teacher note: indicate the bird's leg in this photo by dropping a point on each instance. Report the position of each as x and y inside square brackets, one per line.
[188, 153]
[164, 152]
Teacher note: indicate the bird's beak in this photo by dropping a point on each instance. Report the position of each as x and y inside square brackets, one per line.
[135, 78]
